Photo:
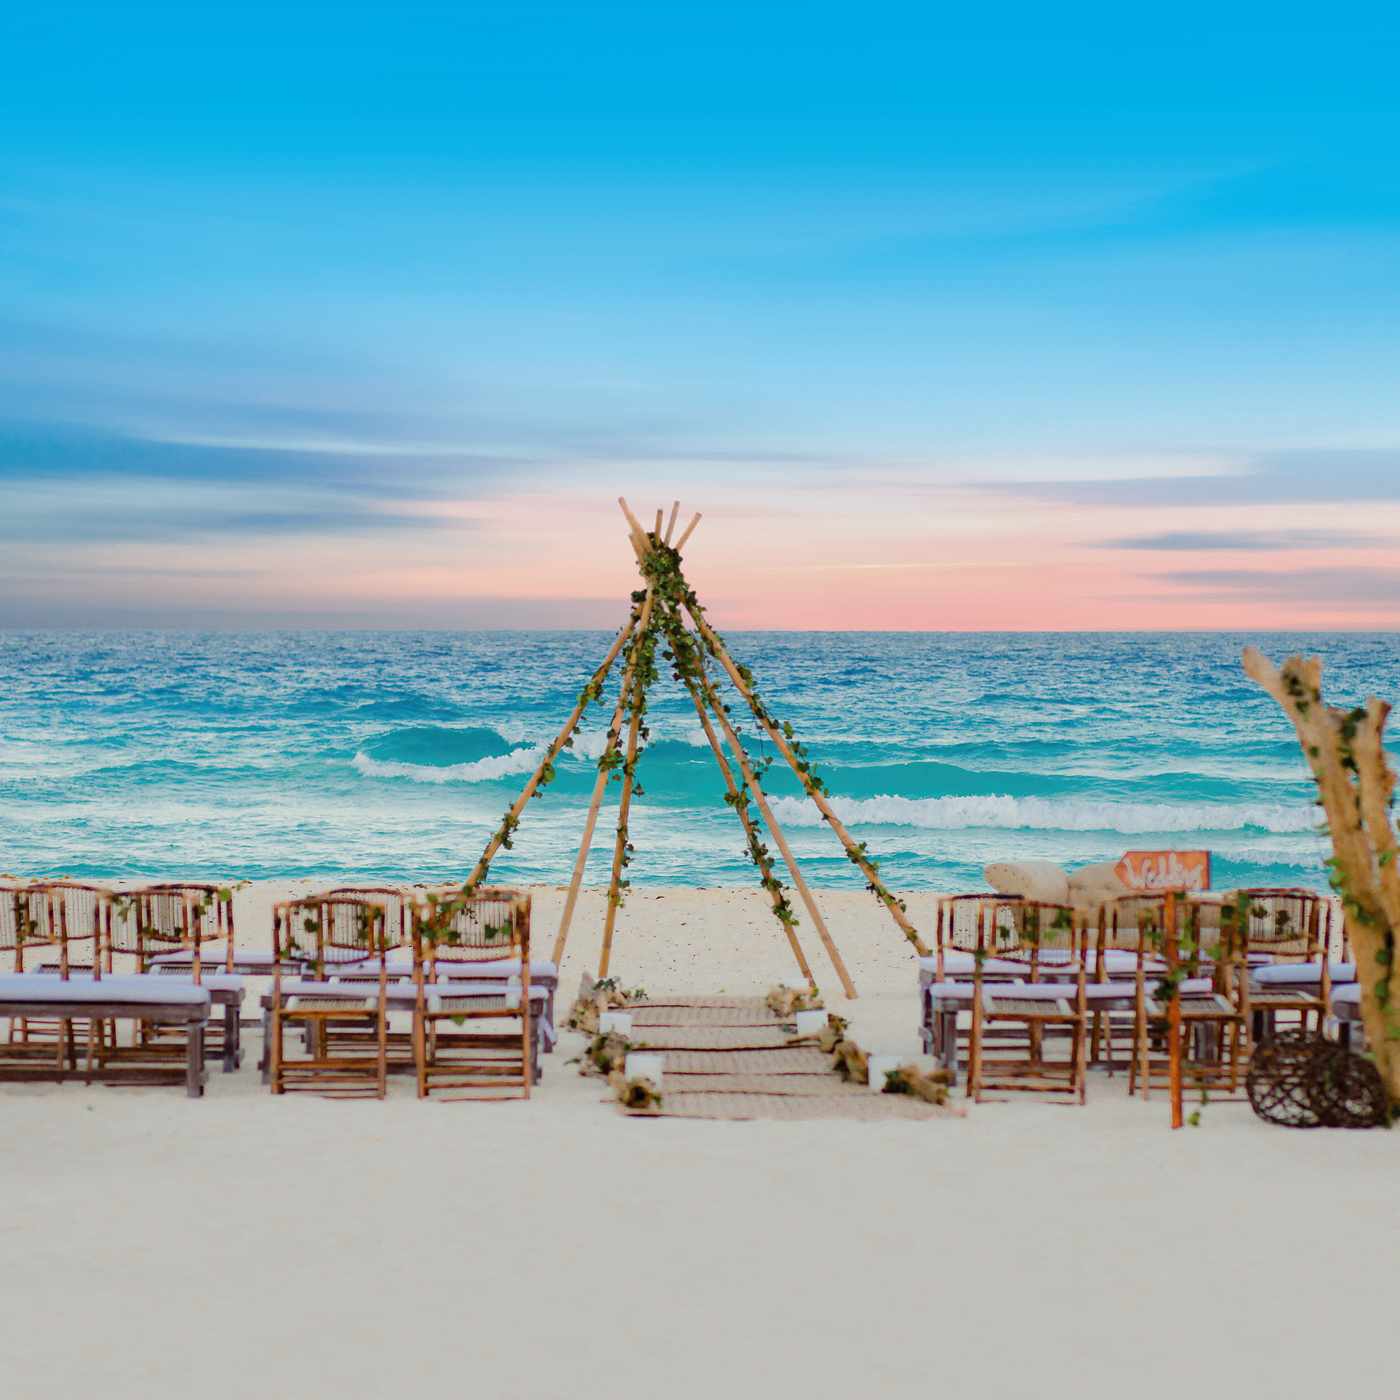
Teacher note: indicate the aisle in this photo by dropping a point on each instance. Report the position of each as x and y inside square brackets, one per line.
[732, 1058]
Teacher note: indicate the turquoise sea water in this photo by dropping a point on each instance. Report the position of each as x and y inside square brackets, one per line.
[394, 754]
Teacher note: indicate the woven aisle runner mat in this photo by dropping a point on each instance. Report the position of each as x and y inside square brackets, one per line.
[710, 1038]
[765, 1062]
[798, 1086]
[860, 1105]
[646, 1017]
[755, 1004]
[731, 1058]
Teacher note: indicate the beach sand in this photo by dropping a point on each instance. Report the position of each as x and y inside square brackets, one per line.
[245, 1244]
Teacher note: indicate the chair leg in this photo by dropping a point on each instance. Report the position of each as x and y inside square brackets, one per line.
[194, 1064]
[974, 1051]
[420, 1054]
[381, 1078]
[274, 1054]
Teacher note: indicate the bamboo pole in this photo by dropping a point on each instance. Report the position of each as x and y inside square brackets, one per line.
[632, 521]
[745, 820]
[1174, 1013]
[689, 530]
[671, 523]
[761, 802]
[494, 844]
[657, 531]
[571, 900]
[624, 806]
[823, 806]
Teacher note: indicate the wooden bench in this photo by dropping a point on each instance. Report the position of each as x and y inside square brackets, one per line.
[160, 1001]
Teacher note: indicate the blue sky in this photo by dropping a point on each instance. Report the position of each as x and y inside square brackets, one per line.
[288, 288]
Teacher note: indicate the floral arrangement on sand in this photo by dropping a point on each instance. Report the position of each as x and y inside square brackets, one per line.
[605, 1055]
[850, 1061]
[596, 996]
[635, 1095]
[784, 1001]
[930, 1085]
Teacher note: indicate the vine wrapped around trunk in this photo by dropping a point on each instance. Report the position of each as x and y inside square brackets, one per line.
[1345, 750]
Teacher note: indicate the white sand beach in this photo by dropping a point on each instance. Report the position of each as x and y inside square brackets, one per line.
[246, 1244]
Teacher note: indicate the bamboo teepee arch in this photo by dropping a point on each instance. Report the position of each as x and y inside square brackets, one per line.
[666, 610]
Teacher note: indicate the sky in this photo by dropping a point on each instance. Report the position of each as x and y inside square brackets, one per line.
[1030, 318]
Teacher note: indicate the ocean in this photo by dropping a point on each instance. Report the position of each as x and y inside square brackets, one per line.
[392, 755]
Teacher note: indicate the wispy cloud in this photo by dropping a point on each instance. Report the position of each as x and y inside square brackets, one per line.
[1298, 477]
[1245, 540]
[1361, 589]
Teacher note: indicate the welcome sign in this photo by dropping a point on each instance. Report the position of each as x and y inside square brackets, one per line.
[1149, 872]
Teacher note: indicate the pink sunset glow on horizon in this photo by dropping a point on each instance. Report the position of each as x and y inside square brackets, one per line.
[830, 554]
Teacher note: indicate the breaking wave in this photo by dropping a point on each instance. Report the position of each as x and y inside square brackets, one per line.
[481, 771]
[1041, 814]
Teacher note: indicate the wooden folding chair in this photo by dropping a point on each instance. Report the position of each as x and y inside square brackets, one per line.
[164, 930]
[1213, 1040]
[397, 964]
[1046, 1005]
[24, 931]
[73, 919]
[322, 934]
[451, 932]
[1287, 940]
[961, 926]
[1118, 946]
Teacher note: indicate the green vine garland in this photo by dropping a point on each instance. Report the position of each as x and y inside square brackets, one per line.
[662, 569]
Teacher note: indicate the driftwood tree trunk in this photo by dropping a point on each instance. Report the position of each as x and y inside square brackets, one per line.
[1346, 751]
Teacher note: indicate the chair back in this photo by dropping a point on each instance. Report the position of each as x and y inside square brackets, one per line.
[1141, 923]
[965, 923]
[324, 931]
[75, 916]
[1135, 923]
[1289, 925]
[450, 927]
[1041, 936]
[168, 917]
[397, 906]
[20, 925]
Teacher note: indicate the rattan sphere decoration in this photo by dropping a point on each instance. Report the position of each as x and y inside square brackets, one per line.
[1279, 1082]
[1307, 1081]
[1346, 1089]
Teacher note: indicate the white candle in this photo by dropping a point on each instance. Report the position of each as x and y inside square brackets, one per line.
[648, 1067]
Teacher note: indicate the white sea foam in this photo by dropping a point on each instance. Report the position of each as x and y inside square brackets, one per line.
[482, 770]
[1046, 814]
[590, 744]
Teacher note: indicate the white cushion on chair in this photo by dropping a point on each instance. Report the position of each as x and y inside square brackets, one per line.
[309, 987]
[1195, 987]
[959, 964]
[1119, 962]
[216, 955]
[455, 990]
[152, 991]
[950, 991]
[401, 965]
[1108, 991]
[1030, 991]
[1301, 974]
[1350, 995]
[214, 981]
